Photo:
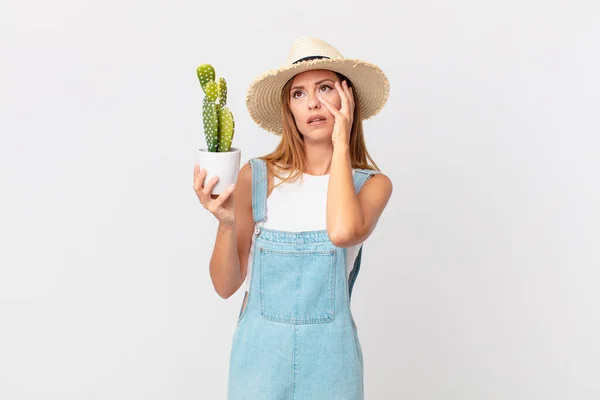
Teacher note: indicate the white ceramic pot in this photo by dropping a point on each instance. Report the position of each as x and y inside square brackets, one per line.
[225, 165]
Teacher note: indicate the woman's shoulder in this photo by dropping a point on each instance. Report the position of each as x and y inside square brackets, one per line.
[379, 183]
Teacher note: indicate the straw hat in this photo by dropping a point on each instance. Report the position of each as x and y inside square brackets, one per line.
[263, 98]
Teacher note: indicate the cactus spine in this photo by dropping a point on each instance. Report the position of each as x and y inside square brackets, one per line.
[219, 125]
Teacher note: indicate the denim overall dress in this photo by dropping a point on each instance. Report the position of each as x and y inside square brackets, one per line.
[296, 338]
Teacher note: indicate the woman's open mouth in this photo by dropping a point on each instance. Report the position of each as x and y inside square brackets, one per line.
[317, 122]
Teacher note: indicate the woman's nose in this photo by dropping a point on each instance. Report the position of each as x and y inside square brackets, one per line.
[314, 102]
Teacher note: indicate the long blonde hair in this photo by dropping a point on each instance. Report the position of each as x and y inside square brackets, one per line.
[290, 152]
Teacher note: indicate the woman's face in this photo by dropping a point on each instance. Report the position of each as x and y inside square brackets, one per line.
[305, 104]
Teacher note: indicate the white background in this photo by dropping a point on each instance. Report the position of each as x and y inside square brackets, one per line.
[481, 281]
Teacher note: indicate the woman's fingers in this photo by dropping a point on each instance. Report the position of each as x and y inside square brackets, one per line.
[199, 175]
[209, 186]
[208, 200]
[222, 198]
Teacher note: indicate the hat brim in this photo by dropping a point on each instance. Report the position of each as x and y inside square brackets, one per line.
[263, 98]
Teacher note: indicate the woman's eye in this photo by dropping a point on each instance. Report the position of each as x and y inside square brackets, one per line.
[299, 91]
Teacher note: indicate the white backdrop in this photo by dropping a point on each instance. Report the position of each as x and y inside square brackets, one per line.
[481, 280]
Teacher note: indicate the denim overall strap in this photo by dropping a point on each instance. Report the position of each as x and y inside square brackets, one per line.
[360, 177]
[259, 189]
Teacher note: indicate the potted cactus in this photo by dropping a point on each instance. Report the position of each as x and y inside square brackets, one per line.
[218, 158]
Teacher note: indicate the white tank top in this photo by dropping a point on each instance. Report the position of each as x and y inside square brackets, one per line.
[296, 207]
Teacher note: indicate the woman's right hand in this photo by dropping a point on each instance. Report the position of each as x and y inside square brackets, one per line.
[222, 205]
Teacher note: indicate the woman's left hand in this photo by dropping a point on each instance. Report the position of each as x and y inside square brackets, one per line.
[343, 117]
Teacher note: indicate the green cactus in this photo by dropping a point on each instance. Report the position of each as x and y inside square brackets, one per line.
[219, 125]
[211, 124]
[226, 128]
[206, 73]
[222, 88]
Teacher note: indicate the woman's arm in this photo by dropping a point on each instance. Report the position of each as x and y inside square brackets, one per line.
[351, 218]
[229, 260]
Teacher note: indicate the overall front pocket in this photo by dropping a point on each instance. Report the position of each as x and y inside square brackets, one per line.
[297, 286]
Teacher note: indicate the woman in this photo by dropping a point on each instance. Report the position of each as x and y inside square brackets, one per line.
[296, 337]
